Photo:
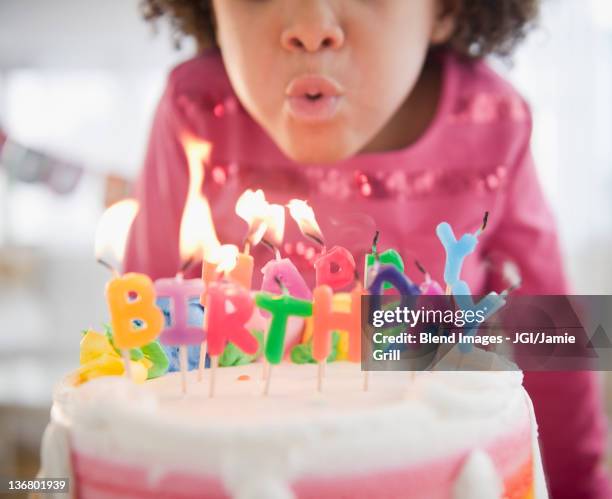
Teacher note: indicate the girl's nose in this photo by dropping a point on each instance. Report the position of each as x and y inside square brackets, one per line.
[313, 31]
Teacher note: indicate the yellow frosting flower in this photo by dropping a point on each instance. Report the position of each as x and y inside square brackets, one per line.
[99, 358]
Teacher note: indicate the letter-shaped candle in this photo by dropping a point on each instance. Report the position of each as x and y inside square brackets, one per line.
[284, 271]
[280, 307]
[403, 285]
[228, 308]
[179, 292]
[326, 320]
[374, 259]
[457, 250]
[135, 319]
[335, 268]
[489, 305]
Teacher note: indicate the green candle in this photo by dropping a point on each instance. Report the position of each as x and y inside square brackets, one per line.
[387, 257]
[280, 308]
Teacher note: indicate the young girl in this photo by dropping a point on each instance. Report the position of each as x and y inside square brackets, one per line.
[383, 116]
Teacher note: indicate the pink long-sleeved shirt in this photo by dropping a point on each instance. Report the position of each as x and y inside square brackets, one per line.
[474, 157]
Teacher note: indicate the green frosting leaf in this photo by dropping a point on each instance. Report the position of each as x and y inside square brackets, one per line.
[302, 353]
[135, 353]
[153, 352]
[157, 355]
[234, 356]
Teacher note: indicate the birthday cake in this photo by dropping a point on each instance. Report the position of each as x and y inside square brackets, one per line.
[260, 394]
[460, 435]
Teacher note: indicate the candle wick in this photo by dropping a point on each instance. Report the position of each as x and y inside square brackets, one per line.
[511, 288]
[485, 220]
[104, 263]
[375, 244]
[281, 285]
[269, 245]
[316, 239]
[420, 267]
[186, 266]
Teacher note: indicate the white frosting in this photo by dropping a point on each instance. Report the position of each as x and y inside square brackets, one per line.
[478, 478]
[260, 444]
[55, 456]
[539, 485]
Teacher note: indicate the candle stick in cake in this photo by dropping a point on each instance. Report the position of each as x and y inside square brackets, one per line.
[180, 334]
[326, 320]
[229, 307]
[217, 263]
[281, 307]
[253, 208]
[193, 238]
[389, 274]
[457, 249]
[135, 319]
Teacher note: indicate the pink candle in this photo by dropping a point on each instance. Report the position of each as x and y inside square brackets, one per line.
[428, 287]
[335, 268]
[179, 291]
[287, 273]
[228, 308]
[292, 280]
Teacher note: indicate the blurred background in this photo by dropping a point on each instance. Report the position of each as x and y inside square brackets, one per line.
[79, 82]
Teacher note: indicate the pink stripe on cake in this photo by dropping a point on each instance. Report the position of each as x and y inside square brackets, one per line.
[98, 478]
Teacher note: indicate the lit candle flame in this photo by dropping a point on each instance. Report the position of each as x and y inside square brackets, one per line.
[275, 223]
[265, 220]
[197, 233]
[113, 231]
[304, 216]
[224, 256]
[251, 207]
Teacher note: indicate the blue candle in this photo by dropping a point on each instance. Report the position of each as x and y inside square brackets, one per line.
[489, 305]
[195, 318]
[456, 251]
[391, 275]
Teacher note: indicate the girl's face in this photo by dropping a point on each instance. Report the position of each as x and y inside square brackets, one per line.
[323, 77]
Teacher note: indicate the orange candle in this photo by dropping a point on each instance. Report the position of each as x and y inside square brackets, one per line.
[242, 273]
[135, 318]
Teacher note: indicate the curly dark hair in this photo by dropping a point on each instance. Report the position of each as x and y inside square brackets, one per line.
[482, 27]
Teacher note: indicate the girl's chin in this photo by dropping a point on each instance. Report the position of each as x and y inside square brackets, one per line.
[318, 151]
